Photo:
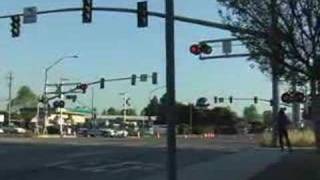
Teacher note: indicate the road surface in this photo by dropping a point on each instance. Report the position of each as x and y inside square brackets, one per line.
[100, 158]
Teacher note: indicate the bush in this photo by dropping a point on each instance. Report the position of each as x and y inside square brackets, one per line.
[203, 129]
[184, 129]
[53, 130]
[298, 138]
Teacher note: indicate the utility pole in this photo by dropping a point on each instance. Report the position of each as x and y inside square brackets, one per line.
[295, 105]
[275, 68]
[190, 116]
[171, 94]
[10, 79]
[92, 107]
[124, 105]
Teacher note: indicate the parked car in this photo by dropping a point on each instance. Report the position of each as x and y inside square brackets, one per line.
[1, 130]
[82, 132]
[121, 133]
[14, 129]
[107, 132]
[94, 132]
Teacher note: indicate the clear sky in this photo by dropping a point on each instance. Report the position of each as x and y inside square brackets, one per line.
[112, 46]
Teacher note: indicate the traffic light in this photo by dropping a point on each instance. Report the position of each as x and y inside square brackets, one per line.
[255, 100]
[72, 97]
[59, 104]
[195, 49]
[142, 14]
[102, 80]
[83, 87]
[133, 79]
[293, 97]
[15, 26]
[230, 99]
[87, 11]
[215, 99]
[203, 48]
[154, 78]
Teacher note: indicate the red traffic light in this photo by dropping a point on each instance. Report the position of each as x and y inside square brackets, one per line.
[195, 49]
[286, 97]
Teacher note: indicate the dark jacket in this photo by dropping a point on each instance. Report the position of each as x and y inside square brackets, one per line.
[283, 120]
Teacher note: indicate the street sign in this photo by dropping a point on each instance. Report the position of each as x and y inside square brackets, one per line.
[29, 15]
[143, 77]
[227, 46]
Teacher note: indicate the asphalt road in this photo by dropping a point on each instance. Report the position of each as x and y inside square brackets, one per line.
[100, 158]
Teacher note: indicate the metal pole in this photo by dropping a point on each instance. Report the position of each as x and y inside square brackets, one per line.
[10, 97]
[171, 99]
[92, 108]
[61, 98]
[191, 117]
[45, 102]
[275, 68]
[125, 108]
[295, 106]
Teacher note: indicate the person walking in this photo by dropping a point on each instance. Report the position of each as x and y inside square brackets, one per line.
[283, 123]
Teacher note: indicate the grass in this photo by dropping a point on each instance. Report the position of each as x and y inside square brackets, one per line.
[298, 138]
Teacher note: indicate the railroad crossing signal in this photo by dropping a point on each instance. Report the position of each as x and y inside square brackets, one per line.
[202, 48]
[87, 11]
[142, 14]
[15, 26]
[102, 81]
[293, 97]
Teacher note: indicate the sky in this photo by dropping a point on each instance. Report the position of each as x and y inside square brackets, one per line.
[112, 47]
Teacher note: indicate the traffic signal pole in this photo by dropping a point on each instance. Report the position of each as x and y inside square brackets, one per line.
[275, 69]
[170, 82]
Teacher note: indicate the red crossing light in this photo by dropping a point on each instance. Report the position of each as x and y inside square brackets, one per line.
[195, 49]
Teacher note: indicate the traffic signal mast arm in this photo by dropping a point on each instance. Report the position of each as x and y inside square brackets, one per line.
[150, 13]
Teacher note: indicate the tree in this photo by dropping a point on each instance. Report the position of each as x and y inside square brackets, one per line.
[25, 104]
[288, 33]
[152, 108]
[294, 34]
[112, 111]
[131, 112]
[251, 114]
[25, 98]
[267, 118]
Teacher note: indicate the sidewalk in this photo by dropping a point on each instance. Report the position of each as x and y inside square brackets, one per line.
[238, 166]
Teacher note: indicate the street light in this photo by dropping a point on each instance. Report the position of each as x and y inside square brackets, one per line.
[45, 85]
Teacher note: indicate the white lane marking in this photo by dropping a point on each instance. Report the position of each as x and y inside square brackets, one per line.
[58, 163]
[74, 155]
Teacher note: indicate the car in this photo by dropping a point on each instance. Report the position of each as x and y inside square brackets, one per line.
[1, 131]
[107, 132]
[82, 132]
[94, 132]
[14, 129]
[121, 133]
